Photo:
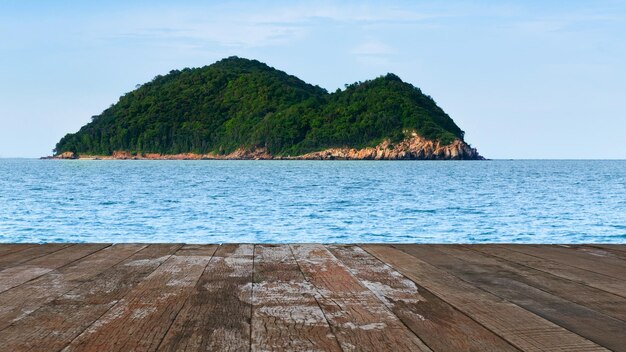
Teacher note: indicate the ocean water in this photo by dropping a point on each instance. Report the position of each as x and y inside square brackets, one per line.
[523, 201]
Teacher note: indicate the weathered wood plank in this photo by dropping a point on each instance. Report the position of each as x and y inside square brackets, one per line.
[56, 324]
[588, 253]
[18, 257]
[139, 321]
[590, 297]
[58, 297]
[7, 248]
[601, 251]
[285, 312]
[585, 277]
[612, 267]
[591, 252]
[216, 316]
[518, 326]
[17, 275]
[22, 300]
[619, 249]
[438, 324]
[358, 318]
[599, 328]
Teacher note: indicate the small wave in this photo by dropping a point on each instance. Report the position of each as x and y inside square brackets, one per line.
[175, 201]
[418, 211]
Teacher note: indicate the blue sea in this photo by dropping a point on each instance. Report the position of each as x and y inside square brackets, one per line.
[519, 201]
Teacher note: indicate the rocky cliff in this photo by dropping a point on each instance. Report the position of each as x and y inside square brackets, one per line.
[412, 148]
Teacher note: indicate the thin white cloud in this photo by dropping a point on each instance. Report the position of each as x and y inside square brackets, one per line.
[253, 26]
[343, 13]
[249, 27]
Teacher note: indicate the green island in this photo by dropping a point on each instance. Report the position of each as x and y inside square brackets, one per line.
[244, 109]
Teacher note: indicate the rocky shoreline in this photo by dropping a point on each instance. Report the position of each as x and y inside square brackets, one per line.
[412, 148]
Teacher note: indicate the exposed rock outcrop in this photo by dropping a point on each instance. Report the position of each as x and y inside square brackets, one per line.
[65, 155]
[411, 148]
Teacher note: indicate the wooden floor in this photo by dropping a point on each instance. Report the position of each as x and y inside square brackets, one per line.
[173, 297]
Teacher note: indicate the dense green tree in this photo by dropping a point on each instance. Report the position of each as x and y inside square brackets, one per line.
[237, 103]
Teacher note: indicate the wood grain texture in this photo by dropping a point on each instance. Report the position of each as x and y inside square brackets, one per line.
[22, 300]
[56, 324]
[358, 318]
[599, 251]
[587, 252]
[139, 321]
[618, 249]
[493, 278]
[216, 315]
[608, 266]
[14, 258]
[425, 314]
[590, 297]
[34, 268]
[519, 327]
[600, 281]
[7, 248]
[174, 297]
[286, 314]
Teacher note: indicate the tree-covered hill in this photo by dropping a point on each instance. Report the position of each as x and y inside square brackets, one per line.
[238, 103]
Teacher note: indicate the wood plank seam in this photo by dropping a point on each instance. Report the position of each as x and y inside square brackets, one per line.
[573, 316]
[401, 320]
[332, 328]
[562, 263]
[286, 314]
[181, 307]
[53, 325]
[545, 272]
[126, 294]
[160, 286]
[26, 246]
[432, 293]
[592, 252]
[590, 290]
[510, 248]
[252, 294]
[497, 294]
[216, 315]
[518, 334]
[601, 286]
[616, 248]
[410, 338]
[32, 280]
[601, 251]
[67, 245]
[32, 297]
[60, 267]
[518, 291]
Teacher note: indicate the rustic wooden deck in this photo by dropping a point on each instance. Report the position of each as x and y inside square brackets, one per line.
[174, 297]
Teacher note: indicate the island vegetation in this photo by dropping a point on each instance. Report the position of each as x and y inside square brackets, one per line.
[238, 103]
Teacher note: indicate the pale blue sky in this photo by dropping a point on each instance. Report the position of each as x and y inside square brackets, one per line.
[524, 79]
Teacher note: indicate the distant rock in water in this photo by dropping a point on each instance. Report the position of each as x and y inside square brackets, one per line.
[243, 109]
